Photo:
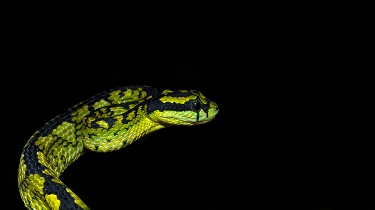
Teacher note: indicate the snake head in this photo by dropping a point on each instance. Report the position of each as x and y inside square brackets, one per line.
[182, 107]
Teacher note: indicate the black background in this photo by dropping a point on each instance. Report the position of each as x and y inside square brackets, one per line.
[275, 143]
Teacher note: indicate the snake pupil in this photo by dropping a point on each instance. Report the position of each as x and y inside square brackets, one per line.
[196, 106]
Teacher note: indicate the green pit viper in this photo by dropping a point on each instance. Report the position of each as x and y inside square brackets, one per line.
[103, 123]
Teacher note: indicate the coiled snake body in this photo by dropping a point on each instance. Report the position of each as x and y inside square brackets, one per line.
[103, 123]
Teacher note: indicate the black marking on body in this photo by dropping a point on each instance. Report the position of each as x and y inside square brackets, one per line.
[51, 187]
[31, 159]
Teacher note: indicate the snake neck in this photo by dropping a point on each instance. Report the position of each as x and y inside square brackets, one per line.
[121, 132]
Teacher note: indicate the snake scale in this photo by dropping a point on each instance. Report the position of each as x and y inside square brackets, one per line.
[103, 123]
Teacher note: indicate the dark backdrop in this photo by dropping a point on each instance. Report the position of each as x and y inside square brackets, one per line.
[273, 145]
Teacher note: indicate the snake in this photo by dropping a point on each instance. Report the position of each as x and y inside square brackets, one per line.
[105, 122]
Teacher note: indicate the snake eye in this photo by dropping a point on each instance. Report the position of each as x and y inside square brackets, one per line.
[195, 106]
